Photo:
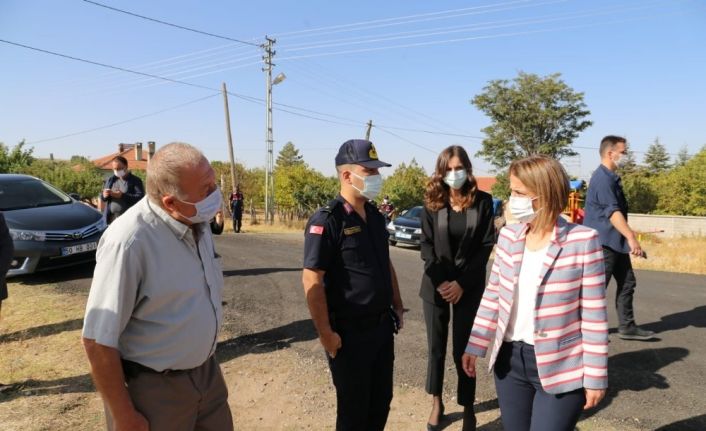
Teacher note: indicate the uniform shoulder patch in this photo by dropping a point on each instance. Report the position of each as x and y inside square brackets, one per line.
[316, 229]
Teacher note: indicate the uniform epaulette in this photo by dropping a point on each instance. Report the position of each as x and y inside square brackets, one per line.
[331, 206]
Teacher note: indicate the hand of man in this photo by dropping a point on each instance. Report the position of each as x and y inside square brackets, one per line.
[452, 292]
[331, 342]
[635, 248]
[106, 193]
[117, 194]
[131, 422]
[593, 397]
[468, 363]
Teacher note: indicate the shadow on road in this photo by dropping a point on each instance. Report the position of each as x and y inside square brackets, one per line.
[638, 371]
[697, 423]
[31, 387]
[42, 331]
[672, 322]
[485, 406]
[257, 271]
[266, 341]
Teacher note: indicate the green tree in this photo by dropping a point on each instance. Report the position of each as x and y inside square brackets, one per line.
[530, 115]
[640, 192]
[501, 188]
[406, 185]
[300, 190]
[15, 159]
[682, 156]
[289, 156]
[84, 178]
[682, 190]
[630, 165]
[656, 158]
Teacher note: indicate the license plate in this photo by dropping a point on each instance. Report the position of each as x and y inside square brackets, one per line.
[403, 235]
[79, 248]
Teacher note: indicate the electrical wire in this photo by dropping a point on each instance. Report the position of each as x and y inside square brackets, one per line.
[170, 24]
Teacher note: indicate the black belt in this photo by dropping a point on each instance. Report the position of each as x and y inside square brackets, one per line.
[365, 321]
[133, 369]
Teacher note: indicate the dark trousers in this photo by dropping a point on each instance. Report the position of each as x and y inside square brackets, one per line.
[237, 221]
[362, 375]
[181, 401]
[619, 265]
[436, 318]
[524, 405]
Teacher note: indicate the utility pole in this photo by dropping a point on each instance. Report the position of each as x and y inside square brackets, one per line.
[230, 141]
[269, 174]
[367, 133]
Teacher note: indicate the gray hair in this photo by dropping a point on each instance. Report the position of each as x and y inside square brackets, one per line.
[165, 167]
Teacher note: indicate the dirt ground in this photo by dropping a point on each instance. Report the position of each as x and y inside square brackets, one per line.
[46, 385]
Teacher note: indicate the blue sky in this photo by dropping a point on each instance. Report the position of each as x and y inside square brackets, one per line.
[404, 64]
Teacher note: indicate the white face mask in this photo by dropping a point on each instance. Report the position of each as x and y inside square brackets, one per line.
[521, 208]
[371, 185]
[456, 179]
[119, 173]
[621, 161]
[207, 208]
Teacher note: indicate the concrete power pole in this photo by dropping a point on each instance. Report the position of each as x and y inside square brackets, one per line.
[230, 141]
[269, 169]
[367, 133]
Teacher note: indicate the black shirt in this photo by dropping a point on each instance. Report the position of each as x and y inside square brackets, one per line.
[457, 228]
[354, 255]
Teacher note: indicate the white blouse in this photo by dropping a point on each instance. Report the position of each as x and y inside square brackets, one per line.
[521, 325]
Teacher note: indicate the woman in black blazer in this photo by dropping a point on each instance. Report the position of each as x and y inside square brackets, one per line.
[457, 238]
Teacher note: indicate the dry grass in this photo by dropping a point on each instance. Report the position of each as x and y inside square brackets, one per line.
[686, 254]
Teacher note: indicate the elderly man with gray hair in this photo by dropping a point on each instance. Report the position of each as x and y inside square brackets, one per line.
[154, 309]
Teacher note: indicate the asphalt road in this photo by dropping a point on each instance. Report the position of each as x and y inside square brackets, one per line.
[653, 385]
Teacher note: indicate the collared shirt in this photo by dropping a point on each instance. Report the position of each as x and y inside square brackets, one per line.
[604, 197]
[156, 290]
[355, 257]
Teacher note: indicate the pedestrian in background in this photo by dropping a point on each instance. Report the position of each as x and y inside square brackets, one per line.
[121, 190]
[544, 309]
[457, 237]
[237, 202]
[606, 210]
[351, 290]
[154, 308]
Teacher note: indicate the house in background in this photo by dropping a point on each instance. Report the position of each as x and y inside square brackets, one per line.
[137, 157]
[486, 183]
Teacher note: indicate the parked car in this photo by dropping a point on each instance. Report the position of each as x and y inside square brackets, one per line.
[407, 227]
[49, 228]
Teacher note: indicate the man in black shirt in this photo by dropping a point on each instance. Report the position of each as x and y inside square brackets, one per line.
[352, 291]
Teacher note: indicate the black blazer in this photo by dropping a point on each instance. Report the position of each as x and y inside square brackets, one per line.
[468, 266]
[6, 251]
[135, 191]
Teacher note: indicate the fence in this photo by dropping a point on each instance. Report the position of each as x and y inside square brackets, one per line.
[668, 226]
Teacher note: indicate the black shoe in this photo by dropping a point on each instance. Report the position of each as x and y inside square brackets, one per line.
[437, 427]
[636, 333]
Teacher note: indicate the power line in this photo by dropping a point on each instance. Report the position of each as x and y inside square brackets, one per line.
[55, 138]
[171, 24]
[406, 140]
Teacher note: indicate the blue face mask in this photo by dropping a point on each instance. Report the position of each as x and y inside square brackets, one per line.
[207, 208]
[372, 184]
[456, 179]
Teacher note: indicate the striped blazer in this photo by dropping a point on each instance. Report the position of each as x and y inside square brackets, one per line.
[571, 326]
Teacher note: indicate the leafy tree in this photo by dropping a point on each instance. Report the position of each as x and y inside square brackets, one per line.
[640, 192]
[84, 179]
[630, 165]
[300, 190]
[531, 115]
[682, 156]
[406, 185]
[656, 158]
[682, 190]
[501, 188]
[15, 159]
[289, 156]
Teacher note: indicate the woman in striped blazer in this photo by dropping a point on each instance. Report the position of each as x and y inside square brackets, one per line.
[544, 308]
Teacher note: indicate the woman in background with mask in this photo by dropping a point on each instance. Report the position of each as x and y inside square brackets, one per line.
[544, 309]
[457, 238]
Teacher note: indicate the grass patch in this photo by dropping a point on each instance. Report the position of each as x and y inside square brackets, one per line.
[685, 254]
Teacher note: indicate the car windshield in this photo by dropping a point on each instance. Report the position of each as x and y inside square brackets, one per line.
[415, 212]
[29, 193]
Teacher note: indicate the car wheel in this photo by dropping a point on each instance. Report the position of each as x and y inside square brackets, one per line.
[393, 243]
